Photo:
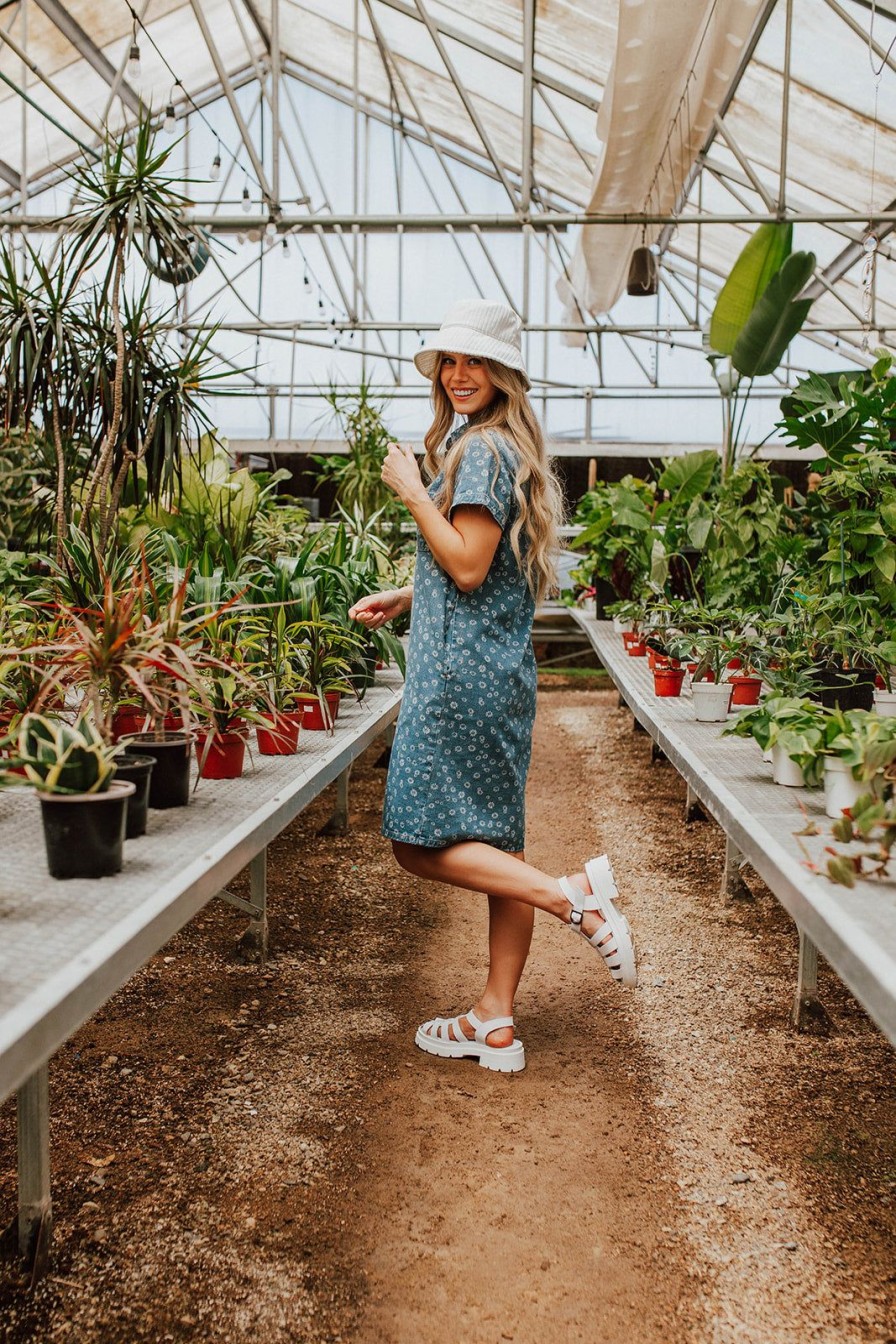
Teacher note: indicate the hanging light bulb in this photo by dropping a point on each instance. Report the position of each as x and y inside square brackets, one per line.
[270, 228]
[215, 171]
[307, 283]
[241, 238]
[285, 252]
[170, 123]
[134, 69]
[247, 203]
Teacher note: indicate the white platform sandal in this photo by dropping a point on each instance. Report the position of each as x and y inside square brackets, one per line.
[436, 1038]
[613, 939]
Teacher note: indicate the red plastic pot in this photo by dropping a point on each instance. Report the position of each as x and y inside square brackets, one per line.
[745, 690]
[281, 735]
[734, 664]
[630, 637]
[637, 649]
[667, 681]
[220, 755]
[707, 676]
[312, 715]
[126, 722]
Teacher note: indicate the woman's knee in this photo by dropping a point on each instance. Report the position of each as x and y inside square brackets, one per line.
[406, 856]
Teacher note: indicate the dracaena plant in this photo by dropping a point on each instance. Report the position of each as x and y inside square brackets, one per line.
[65, 758]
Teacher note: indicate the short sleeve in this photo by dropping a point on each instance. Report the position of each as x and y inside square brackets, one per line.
[485, 477]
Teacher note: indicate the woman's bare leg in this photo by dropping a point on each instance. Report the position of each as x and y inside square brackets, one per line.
[514, 888]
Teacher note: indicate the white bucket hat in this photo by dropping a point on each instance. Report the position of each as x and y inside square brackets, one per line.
[475, 327]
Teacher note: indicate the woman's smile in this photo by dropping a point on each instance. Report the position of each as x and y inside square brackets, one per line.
[467, 382]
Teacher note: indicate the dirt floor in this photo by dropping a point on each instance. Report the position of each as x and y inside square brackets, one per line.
[244, 1154]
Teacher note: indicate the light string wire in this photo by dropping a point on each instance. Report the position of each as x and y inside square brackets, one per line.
[871, 240]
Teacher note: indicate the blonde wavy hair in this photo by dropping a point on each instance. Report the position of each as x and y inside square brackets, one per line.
[538, 496]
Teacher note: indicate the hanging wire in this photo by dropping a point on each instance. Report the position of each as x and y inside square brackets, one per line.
[871, 240]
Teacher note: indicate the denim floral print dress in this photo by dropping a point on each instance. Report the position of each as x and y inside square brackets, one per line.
[464, 737]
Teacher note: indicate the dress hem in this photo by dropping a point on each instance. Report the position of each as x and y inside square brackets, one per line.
[429, 842]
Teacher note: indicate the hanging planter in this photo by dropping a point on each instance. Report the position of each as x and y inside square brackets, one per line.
[711, 701]
[279, 736]
[667, 681]
[220, 755]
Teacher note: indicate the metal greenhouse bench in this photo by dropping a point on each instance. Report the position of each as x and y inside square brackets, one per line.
[66, 947]
[854, 930]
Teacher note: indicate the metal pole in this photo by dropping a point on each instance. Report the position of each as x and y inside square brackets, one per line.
[35, 1199]
[356, 147]
[785, 108]
[275, 101]
[23, 56]
[527, 127]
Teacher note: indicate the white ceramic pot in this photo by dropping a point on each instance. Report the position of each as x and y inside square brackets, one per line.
[768, 757]
[784, 770]
[621, 626]
[885, 703]
[840, 789]
[711, 701]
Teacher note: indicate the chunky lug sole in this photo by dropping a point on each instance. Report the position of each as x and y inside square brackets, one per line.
[434, 1038]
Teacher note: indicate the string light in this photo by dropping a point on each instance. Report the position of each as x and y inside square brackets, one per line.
[270, 228]
[247, 202]
[285, 252]
[215, 170]
[307, 284]
[169, 125]
[134, 69]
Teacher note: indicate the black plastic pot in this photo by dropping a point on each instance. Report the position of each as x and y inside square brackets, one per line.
[684, 580]
[84, 832]
[169, 783]
[844, 690]
[138, 770]
[604, 596]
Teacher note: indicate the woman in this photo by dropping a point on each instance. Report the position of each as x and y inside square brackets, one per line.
[487, 535]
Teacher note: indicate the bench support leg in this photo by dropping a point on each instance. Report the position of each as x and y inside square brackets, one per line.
[385, 756]
[734, 888]
[253, 946]
[338, 823]
[657, 753]
[693, 808]
[638, 727]
[35, 1199]
[808, 1013]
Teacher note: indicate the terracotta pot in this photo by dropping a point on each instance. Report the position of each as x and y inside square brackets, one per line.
[280, 736]
[220, 755]
[667, 681]
[637, 649]
[745, 690]
[312, 716]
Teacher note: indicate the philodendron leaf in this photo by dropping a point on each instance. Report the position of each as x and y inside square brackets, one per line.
[688, 476]
[762, 256]
[776, 319]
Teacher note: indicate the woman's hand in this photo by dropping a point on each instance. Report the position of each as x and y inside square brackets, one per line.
[401, 473]
[378, 608]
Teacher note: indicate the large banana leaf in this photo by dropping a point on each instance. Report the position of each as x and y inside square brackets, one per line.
[764, 254]
[776, 319]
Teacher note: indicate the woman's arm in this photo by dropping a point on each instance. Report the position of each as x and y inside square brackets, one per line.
[464, 546]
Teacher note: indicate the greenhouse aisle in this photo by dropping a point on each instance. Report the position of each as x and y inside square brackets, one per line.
[242, 1155]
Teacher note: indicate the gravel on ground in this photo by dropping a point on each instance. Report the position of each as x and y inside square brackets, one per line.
[244, 1153]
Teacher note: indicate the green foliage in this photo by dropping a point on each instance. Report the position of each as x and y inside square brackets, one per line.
[763, 254]
[776, 318]
[63, 758]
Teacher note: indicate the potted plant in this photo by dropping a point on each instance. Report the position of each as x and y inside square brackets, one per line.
[323, 651]
[274, 663]
[83, 806]
[858, 748]
[711, 695]
[792, 730]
